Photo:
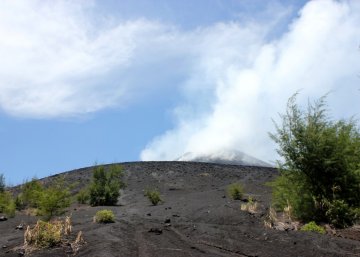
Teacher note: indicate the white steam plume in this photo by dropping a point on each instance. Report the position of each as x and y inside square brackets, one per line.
[251, 78]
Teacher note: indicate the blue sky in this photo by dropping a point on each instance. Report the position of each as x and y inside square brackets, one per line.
[111, 81]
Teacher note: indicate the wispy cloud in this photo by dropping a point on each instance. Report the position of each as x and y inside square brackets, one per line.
[56, 60]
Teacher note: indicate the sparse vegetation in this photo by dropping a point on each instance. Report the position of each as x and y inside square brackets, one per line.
[30, 195]
[154, 196]
[235, 191]
[105, 186]
[7, 204]
[311, 226]
[319, 169]
[104, 216]
[83, 196]
[54, 199]
[51, 234]
[251, 205]
[44, 234]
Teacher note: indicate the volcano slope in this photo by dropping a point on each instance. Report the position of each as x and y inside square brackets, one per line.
[195, 219]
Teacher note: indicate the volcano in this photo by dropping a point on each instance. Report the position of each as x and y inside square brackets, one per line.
[231, 157]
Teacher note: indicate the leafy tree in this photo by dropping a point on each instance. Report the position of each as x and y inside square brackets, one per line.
[54, 199]
[320, 166]
[105, 186]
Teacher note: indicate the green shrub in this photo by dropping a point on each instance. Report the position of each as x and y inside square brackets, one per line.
[83, 196]
[235, 191]
[54, 199]
[319, 171]
[340, 214]
[19, 204]
[7, 204]
[104, 216]
[105, 186]
[31, 192]
[311, 226]
[153, 196]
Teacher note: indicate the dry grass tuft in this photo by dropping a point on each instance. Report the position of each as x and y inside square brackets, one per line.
[287, 215]
[283, 223]
[79, 241]
[271, 218]
[51, 234]
[67, 226]
[251, 206]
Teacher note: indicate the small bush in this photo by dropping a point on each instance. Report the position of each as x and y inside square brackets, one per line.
[340, 214]
[104, 216]
[105, 186]
[30, 195]
[251, 206]
[54, 199]
[153, 196]
[51, 234]
[311, 226]
[7, 204]
[83, 196]
[235, 191]
[44, 234]
[19, 204]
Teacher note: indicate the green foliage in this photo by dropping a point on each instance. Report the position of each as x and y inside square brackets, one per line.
[105, 186]
[7, 204]
[153, 196]
[340, 214]
[320, 164]
[2, 183]
[83, 196]
[235, 191]
[289, 190]
[19, 204]
[31, 193]
[104, 216]
[311, 226]
[54, 199]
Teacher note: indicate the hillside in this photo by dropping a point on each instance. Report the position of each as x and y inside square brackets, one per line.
[200, 219]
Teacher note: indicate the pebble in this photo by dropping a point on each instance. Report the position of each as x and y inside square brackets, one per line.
[156, 231]
[20, 227]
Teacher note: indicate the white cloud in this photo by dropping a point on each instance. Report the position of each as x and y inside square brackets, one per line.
[253, 78]
[55, 60]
